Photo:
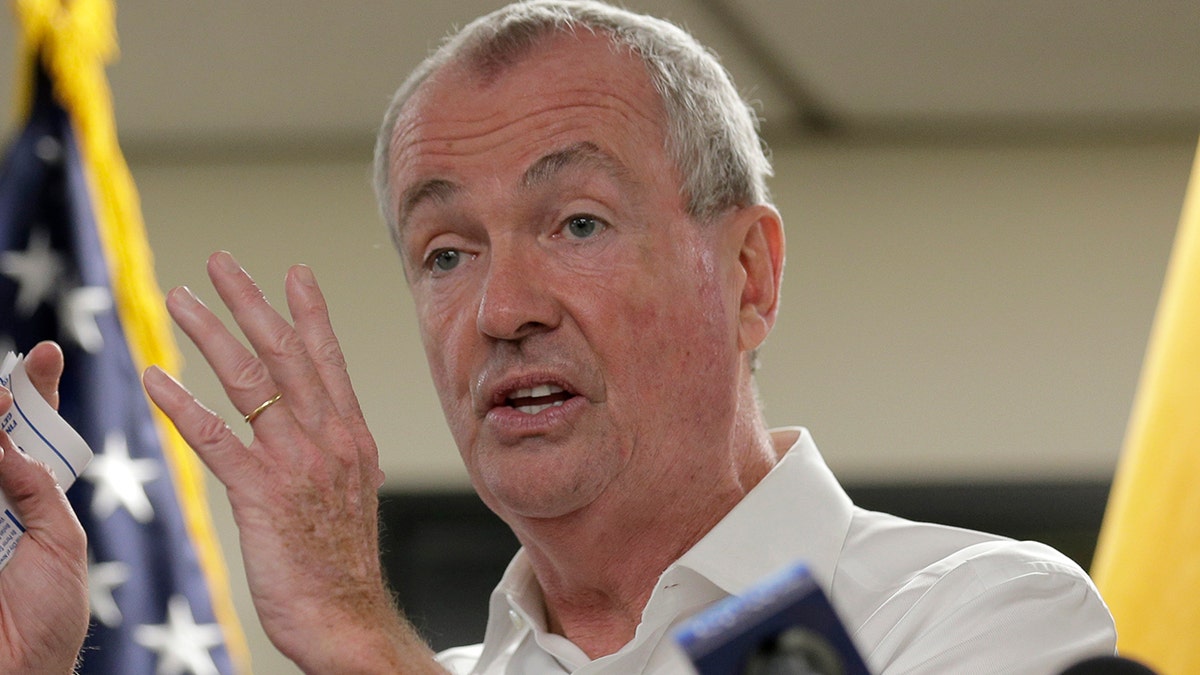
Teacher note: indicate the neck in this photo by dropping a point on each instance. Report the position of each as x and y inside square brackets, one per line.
[598, 566]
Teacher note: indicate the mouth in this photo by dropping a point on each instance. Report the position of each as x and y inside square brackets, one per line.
[533, 400]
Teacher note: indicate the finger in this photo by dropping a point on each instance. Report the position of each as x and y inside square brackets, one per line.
[242, 375]
[278, 345]
[6, 401]
[44, 365]
[311, 315]
[204, 430]
[33, 493]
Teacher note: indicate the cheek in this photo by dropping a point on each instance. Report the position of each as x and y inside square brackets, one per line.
[690, 312]
[673, 332]
[444, 336]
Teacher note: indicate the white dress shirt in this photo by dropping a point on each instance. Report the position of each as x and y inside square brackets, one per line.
[914, 597]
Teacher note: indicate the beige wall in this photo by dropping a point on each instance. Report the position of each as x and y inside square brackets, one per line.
[950, 311]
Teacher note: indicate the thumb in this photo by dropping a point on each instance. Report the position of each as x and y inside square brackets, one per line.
[33, 494]
[30, 487]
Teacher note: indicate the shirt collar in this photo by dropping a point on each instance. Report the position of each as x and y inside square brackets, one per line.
[797, 513]
[515, 608]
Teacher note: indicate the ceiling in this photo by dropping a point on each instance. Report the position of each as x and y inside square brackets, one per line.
[252, 76]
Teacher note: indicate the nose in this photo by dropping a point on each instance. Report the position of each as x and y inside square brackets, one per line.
[517, 298]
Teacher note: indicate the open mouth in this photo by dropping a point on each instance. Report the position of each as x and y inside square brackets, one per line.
[535, 400]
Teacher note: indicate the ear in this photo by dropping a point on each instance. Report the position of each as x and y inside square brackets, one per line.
[761, 259]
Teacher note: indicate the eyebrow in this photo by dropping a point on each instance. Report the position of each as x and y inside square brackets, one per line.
[437, 189]
[584, 153]
[542, 171]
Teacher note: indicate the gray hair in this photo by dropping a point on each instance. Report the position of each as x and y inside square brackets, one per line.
[712, 134]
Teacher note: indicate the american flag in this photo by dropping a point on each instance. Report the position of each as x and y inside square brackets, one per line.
[152, 603]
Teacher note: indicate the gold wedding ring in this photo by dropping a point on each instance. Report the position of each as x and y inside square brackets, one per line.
[253, 415]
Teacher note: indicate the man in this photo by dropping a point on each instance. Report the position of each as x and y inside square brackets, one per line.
[577, 194]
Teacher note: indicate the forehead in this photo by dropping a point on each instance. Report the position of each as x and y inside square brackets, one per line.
[566, 90]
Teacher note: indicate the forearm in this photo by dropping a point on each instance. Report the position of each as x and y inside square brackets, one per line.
[366, 636]
[396, 649]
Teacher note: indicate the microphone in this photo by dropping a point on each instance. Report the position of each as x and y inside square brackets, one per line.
[1108, 665]
[782, 626]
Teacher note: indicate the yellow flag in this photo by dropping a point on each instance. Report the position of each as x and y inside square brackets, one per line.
[1147, 564]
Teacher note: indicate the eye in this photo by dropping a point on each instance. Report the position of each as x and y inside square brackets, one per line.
[444, 260]
[583, 226]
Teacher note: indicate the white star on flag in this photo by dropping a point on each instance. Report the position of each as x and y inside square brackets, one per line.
[77, 314]
[182, 645]
[102, 579]
[36, 271]
[119, 480]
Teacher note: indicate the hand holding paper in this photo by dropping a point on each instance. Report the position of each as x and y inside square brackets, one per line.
[43, 589]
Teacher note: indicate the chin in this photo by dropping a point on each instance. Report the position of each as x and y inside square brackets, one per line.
[536, 488]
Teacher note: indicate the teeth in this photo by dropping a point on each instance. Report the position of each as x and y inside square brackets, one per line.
[540, 390]
[535, 409]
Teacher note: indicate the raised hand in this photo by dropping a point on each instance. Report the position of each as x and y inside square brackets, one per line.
[43, 589]
[303, 491]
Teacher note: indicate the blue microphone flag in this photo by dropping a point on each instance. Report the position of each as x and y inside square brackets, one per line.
[786, 618]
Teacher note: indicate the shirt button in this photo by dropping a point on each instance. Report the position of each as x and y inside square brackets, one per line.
[516, 619]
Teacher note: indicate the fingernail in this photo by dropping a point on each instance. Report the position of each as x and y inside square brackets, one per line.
[182, 298]
[156, 376]
[304, 275]
[224, 260]
[153, 374]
